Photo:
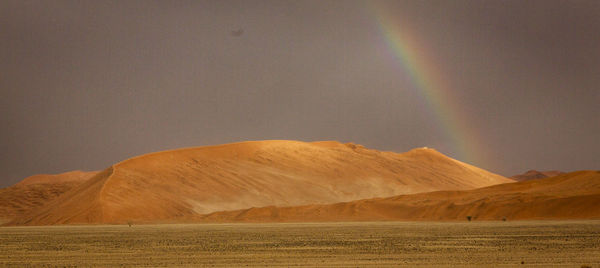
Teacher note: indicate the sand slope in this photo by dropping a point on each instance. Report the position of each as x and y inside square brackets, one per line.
[534, 175]
[569, 196]
[37, 190]
[71, 176]
[189, 182]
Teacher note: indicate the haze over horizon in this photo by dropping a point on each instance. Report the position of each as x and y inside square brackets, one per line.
[88, 84]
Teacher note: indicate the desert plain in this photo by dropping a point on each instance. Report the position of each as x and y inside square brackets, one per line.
[341, 244]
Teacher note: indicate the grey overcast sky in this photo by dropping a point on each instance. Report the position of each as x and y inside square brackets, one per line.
[85, 84]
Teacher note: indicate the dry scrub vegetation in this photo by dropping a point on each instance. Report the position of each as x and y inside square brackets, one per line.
[541, 243]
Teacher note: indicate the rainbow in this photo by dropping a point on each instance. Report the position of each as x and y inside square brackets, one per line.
[430, 83]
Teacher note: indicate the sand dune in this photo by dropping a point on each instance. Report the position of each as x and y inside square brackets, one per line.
[569, 196]
[37, 190]
[534, 175]
[185, 183]
[71, 176]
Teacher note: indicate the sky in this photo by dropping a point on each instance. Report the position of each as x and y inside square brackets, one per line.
[507, 85]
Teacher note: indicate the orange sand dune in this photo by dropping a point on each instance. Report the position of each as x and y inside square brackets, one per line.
[189, 182]
[71, 176]
[569, 196]
[534, 175]
[36, 191]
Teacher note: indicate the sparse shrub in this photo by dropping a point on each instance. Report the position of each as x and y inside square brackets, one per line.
[129, 223]
[469, 218]
[586, 266]
[503, 218]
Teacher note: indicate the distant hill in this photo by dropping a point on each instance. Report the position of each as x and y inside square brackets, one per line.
[534, 175]
[573, 195]
[36, 191]
[186, 183]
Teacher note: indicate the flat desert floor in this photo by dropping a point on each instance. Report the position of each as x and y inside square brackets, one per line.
[519, 243]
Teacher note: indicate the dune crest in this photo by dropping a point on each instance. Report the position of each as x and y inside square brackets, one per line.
[71, 176]
[194, 181]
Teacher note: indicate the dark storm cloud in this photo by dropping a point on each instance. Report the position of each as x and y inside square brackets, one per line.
[87, 84]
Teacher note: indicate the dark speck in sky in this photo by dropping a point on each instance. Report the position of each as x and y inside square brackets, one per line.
[237, 32]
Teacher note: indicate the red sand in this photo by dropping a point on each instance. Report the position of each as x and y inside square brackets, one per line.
[71, 176]
[37, 190]
[569, 196]
[186, 183]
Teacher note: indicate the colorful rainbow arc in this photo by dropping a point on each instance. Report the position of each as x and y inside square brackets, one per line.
[429, 82]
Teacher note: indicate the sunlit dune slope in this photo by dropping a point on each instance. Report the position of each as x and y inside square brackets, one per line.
[569, 196]
[71, 176]
[37, 190]
[188, 182]
[534, 175]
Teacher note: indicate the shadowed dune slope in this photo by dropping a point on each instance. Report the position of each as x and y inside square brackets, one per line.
[37, 190]
[569, 196]
[189, 182]
[534, 175]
